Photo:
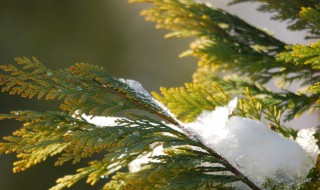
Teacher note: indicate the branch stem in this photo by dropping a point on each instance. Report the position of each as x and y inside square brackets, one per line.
[194, 137]
[225, 162]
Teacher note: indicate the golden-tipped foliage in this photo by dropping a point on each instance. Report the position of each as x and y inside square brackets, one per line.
[223, 40]
[83, 87]
[226, 44]
[306, 55]
[189, 101]
[186, 103]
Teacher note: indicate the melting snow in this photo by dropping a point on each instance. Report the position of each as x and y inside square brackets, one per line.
[256, 150]
[101, 121]
[137, 88]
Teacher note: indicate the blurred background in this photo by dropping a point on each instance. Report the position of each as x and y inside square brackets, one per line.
[109, 33]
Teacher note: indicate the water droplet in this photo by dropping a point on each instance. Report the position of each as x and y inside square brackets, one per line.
[100, 140]
[136, 133]
[49, 73]
[103, 177]
[120, 132]
[79, 88]
[122, 80]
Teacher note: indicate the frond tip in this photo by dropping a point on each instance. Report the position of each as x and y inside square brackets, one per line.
[189, 101]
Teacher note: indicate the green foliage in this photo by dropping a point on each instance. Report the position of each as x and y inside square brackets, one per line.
[306, 55]
[227, 44]
[187, 103]
[235, 59]
[295, 103]
[223, 39]
[179, 169]
[83, 87]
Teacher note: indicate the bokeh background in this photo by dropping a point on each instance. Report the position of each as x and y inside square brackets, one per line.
[109, 33]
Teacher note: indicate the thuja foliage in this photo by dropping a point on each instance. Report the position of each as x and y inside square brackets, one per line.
[235, 59]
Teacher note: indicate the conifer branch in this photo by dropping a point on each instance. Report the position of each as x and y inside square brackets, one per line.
[54, 133]
[250, 57]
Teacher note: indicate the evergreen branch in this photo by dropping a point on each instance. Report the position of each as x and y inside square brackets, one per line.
[255, 108]
[306, 55]
[224, 40]
[225, 163]
[223, 43]
[81, 90]
[148, 136]
[189, 101]
[302, 55]
[295, 103]
[224, 50]
[175, 170]
[40, 137]
[51, 133]
[83, 80]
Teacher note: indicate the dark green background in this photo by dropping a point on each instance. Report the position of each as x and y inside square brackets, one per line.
[109, 33]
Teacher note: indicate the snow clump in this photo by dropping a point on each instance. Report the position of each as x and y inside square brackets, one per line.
[101, 121]
[137, 164]
[137, 88]
[256, 150]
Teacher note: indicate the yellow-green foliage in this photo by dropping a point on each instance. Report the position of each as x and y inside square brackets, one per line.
[225, 43]
[306, 55]
[188, 102]
[303, 55]
[222, 39]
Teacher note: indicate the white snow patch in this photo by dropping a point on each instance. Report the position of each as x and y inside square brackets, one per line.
[137, 87]
[101, 121]
[254, 149]
[137, 164]
[308, 142]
